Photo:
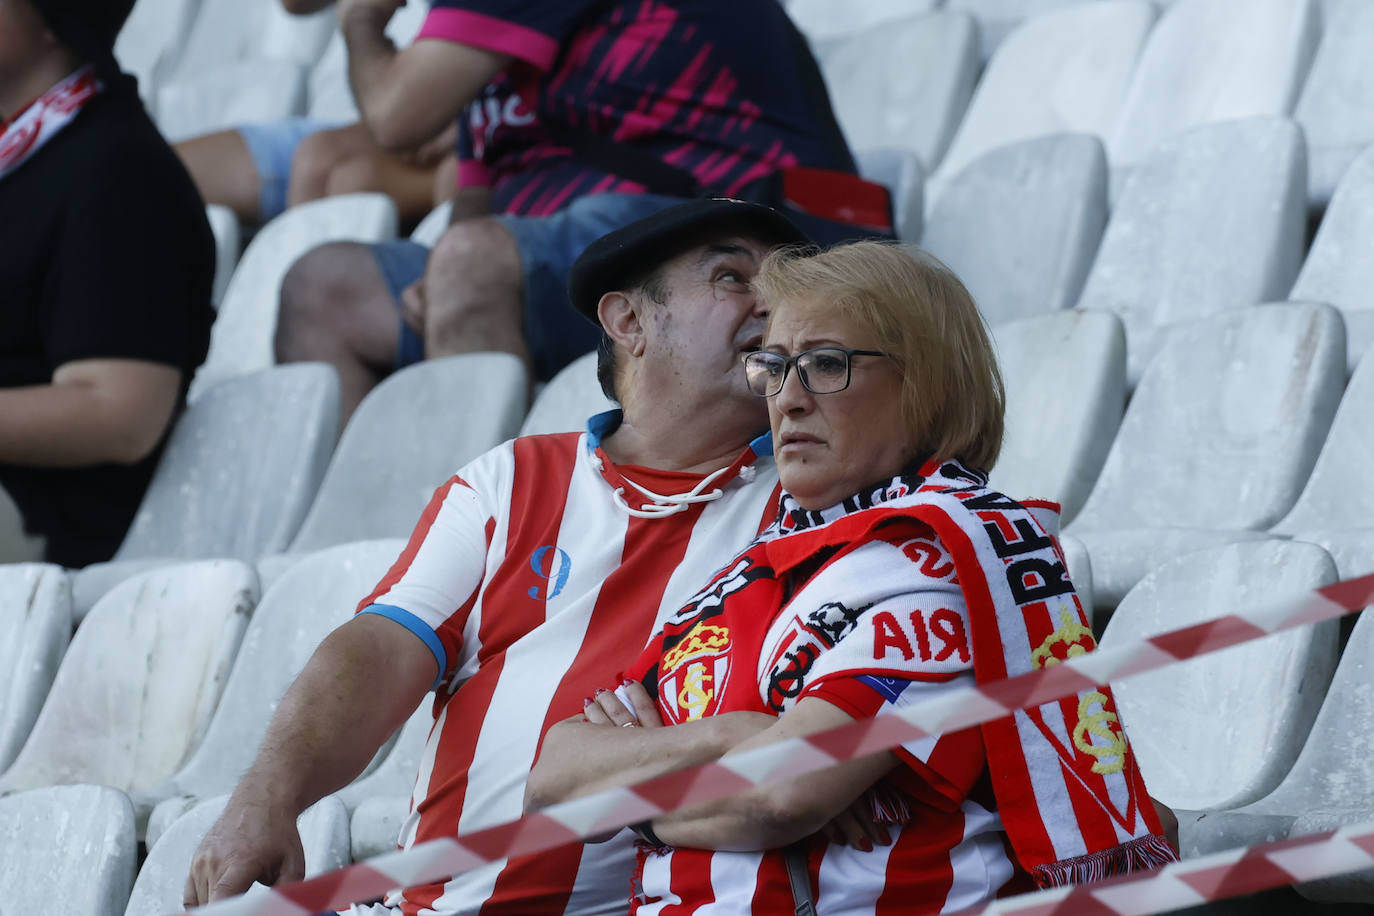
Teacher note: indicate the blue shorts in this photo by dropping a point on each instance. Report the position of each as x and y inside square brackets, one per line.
[555, 332]
[272, 144]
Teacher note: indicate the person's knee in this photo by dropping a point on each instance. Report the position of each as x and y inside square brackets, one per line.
[474, 263]
[351, 175]
[317, 293]
[312, 164]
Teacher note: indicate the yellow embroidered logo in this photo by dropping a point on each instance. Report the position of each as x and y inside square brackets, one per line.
[1072, 635]
[1111, 757]
[695, 695]
[703, 640]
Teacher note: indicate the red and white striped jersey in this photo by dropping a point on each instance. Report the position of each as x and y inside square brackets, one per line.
[530, 580]
[881, 621]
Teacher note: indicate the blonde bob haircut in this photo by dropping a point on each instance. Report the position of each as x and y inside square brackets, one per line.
[952, 395]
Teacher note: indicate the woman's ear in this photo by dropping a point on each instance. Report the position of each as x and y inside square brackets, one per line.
[620, 319]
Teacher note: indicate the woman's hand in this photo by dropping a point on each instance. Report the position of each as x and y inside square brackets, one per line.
[854, 826]
[608, 707]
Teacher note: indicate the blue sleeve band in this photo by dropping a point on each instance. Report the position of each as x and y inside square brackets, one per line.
[419, 628]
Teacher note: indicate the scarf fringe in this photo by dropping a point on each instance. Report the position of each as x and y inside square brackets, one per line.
[1140, 854]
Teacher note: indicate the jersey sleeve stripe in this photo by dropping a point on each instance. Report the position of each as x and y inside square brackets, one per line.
[419, 628]
[488, 32]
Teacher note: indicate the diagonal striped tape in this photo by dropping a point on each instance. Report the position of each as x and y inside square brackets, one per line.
[437, 860]
[1201, 880]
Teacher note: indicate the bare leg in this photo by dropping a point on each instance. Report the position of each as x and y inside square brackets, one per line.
[318, 155]
[335, 308]
[473, 292]
[411, 186]
[223, 171]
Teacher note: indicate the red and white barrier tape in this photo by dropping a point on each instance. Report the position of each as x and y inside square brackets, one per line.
[437, 860]
[1201, 880]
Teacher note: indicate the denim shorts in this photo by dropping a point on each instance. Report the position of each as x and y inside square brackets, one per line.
[555, 332]
[272, 144]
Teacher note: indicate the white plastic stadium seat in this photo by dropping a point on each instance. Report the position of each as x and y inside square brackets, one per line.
[227, 31]
[35, 627]
[1336, 108]
[158, 891]
[1336, 508]
[151, 42]
[1223, 730]
[241, 338]
[901, 172]
[568, 400]
[238, 92]
[1217, 441]
[409, 435]
[429, 229]
[996, 18]
[1213, 60]
[75, 844]
[1063, 71]
[139, 681]
[1340, 265]
[1065, 375]
[820, 19]
[1021, 224]
[239, 472]
[904, 84]
[1214, 219]
[308, 601]
[225, 225]
[1331, 782]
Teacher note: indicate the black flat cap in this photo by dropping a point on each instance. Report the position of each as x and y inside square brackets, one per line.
[617, 256]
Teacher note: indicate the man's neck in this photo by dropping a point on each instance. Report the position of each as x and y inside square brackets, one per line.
[696, 444]
[21, 89]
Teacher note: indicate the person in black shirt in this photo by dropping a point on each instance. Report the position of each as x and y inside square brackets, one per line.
[106, 263]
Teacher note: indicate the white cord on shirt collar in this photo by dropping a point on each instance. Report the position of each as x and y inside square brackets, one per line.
[672, 503]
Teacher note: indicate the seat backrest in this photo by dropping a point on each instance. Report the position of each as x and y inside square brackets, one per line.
[300, 609]
[1214, 219]
[232, 93]
[1338, 96]
[1340, 491]
[140, 680]
[73, 842]
[1332, 773]
[241, 338]
[1213, 60]
[35, 627]
[904, 83]
[1065, 375]
[428, 231]
[1226, 423]
[901, 172]
[821, 19]
[395, 773]
[570, 397]
[1339, 268]
[1223, 730]
[162, 878]
[1021, 224]
[224, 223]
[1064, 71]
[997, 18]
[409, 435]
[241, 467]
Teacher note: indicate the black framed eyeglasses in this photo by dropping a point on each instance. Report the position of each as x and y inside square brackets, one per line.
[822, 370]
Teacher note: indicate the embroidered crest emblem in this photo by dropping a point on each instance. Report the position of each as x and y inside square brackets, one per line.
[1071, 640]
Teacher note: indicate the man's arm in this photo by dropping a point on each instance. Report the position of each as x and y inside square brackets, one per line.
[361, 684]
[408, 97]
[95, 411]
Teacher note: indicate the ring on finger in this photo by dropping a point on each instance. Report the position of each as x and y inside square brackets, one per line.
[627, 725]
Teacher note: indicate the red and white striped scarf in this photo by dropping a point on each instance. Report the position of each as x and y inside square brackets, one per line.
[38, 123]
[1068, 789]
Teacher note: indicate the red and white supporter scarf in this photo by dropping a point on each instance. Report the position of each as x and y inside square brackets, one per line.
[44, 118]
[1068, 789]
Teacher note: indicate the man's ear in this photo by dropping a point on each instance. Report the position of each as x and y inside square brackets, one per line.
[620, 319]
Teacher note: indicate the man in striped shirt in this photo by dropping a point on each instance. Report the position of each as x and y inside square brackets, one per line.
[535, 570]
